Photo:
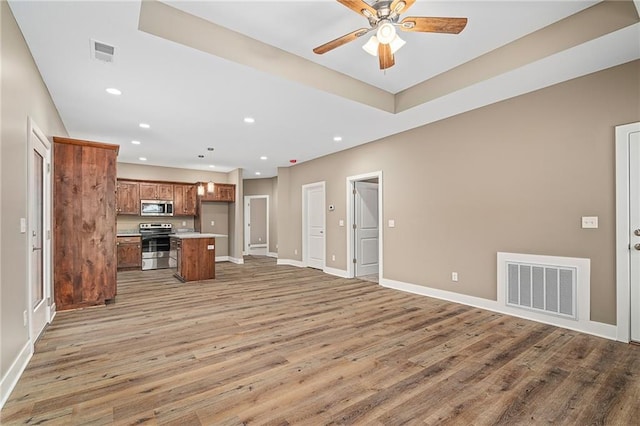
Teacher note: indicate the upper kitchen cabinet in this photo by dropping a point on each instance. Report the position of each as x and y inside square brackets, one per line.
[156, 191]
[221, 192]
[128, 197]
[84, 222]
[184, 200]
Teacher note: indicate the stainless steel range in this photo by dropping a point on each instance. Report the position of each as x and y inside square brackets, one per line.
[155, 245]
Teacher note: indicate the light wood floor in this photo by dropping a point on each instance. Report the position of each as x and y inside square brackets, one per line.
[266, 344]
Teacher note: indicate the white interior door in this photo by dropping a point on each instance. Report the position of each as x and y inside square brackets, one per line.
[39, 232]
[314, 226]
[634, 222]
[366, 228]
[256, 234]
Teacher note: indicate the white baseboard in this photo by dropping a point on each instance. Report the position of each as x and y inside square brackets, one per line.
[222, 258]
[590, 327]
[290, 262]
[10, 379]
[272, 254]
[337, 272]
[236, 260]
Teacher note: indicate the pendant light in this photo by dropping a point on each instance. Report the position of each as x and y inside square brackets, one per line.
[210, 187]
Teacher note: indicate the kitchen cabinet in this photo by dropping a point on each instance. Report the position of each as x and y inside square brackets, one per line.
[156, 191]
[127, 197]
[184, 200]
[221, 192]
[196, 258]
[129, 250]
[84, 223]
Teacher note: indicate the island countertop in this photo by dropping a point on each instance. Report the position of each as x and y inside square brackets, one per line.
[184, 235]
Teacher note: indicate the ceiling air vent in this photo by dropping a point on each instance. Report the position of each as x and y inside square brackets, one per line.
[102, 51]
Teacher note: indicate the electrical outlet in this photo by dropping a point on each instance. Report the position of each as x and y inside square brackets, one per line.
[590, 222]
[259, 239]
[184, 223]
[454, 276]
[295, 251]
[24, 318]
[213, 223]
[333, 257]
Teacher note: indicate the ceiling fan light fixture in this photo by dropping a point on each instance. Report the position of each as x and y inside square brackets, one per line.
[371, 46]
[396, 44]
[386, 33]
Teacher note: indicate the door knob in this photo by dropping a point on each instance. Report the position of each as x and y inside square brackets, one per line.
[637, 232]
[637, 246]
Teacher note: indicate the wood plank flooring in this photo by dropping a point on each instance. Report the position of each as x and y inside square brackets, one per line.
[278, 345]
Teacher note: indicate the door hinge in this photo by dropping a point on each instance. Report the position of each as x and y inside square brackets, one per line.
[355, 226]
[354, 260]
[49, 301]
[354, 192]
[48, 234]
[48, 167]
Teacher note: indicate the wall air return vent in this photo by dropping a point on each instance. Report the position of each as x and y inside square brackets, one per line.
[102, 51]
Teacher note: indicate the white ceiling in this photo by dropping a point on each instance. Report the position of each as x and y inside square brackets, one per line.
[194, 100]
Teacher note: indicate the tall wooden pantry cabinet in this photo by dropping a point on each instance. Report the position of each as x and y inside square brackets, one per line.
[84, 222]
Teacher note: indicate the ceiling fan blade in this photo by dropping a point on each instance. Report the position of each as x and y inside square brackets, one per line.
[358, 6]
[404, 8]
[340, 41]
[433, 25]
[385, 56]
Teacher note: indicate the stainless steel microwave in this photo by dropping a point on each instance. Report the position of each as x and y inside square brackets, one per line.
[156, 208]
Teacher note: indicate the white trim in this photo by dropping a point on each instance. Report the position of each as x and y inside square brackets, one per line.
[305, 249]
[235, 260]
[591, 327]
[272, 254]
[337, 272]
[13, 374]
[222, 259]
[349, 228]
[623, 266]
[583, 280]
[290, 262]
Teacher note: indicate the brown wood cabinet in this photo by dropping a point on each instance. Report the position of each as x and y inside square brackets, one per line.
[221, 192]
[184, 200]
[129, 249]
[156, 191]
[128, 197]
[84, 223]
[196, 259]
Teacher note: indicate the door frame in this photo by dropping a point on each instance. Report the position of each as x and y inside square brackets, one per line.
[305, 219]
[50, 307]
[623, 230]
[350, 222]
[247, 220]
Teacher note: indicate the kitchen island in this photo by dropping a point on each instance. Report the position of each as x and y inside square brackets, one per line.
[193, 255]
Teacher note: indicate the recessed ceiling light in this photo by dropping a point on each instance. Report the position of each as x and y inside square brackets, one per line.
[338, 139]
[200, 156]
[209, 149]
[142, 158]
[258, 173]
[144, 125]
[136, 142]
[212, 166]
[114, 91]
[249, 120]
[263, 158]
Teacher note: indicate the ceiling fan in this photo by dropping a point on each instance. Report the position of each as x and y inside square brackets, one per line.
[384, 18]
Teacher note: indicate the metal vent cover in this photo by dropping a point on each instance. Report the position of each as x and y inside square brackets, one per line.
[102, 51]
[542, 288]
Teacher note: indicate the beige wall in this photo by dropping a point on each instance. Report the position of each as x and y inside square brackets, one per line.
[267, 187]
[236, 217]
[219, 214]
[23, 95]
[515, 176]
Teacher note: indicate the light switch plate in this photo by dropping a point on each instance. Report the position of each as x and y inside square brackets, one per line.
[341, 222]
[590, 222]
[210, 247]
[23, 225]
[392, 223]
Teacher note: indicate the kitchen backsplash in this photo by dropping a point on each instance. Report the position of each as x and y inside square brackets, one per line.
[130, 223]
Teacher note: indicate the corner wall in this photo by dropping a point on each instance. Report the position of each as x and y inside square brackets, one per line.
[515, 176]
[24, 95]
